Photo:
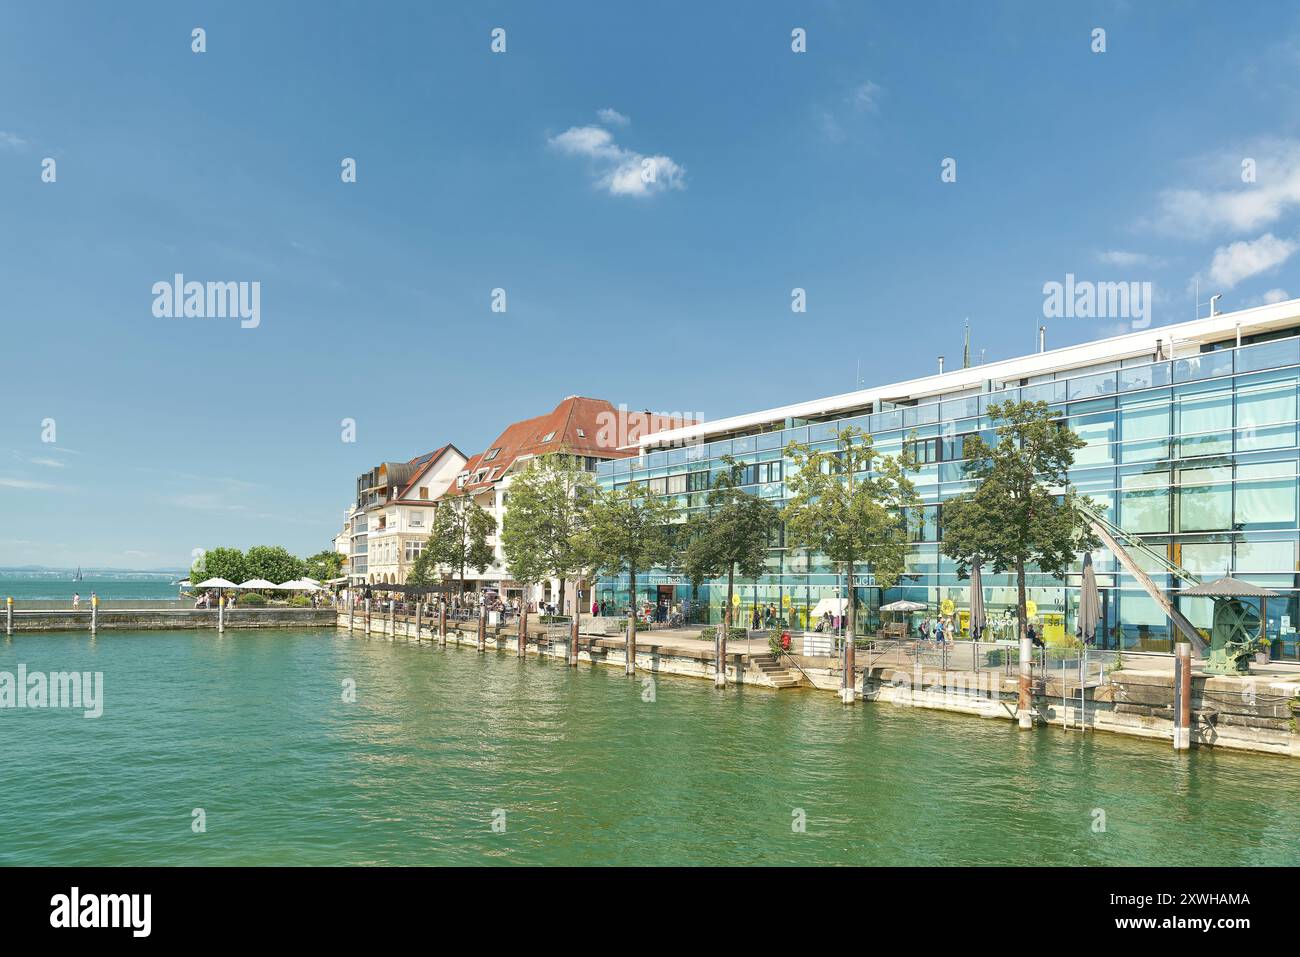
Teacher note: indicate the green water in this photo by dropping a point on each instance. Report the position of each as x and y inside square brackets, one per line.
[253, 729]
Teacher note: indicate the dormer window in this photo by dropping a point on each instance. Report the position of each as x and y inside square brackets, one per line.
[548, 436]
[582, 434]
[492, 453]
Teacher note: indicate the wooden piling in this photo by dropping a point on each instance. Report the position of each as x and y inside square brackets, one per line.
[482, 627]
[442, 624]
[1183, 696]
[1024, 703]
[94, 613]
[221, 614]
[521, 651]
[419, 607]
[9, 615]
[573, 642]
[630, 644]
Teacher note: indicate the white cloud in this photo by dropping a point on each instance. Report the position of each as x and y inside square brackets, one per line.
[866, 96]
[1243, 207]
[612, 117]
[1245, 258]
[11, 141]
[620, 171]
[1275, 295]
[1124, 259]
[24, 483]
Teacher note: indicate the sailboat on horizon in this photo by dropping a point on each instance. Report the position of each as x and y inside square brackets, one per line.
[77, 577]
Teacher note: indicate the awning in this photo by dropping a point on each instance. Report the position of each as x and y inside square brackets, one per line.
[255, 583]
[217, 583]
[831, 606]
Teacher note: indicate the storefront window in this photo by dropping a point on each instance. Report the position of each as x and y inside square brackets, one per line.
[1266, 495]
[1144, 502]
[1204, 423]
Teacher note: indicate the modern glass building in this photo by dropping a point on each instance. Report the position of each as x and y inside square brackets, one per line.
[1191, 434]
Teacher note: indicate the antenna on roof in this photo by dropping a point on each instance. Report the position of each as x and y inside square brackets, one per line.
[965, 349]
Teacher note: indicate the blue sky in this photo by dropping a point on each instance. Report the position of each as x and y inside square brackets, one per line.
[478, 171]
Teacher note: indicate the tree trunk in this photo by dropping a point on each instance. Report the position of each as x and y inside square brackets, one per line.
[720, 670]
[630, 645]
[1023, 699]
[847, 693]
[559, 604]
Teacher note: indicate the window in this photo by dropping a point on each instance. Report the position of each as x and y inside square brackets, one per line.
[1144, 430]
[493, 453]
[1098, 432]
[1144, 502]
[925, 450]
[697, 481]
[1205, 499]
[677, 484]
[548, 436]
[582, 434]
[1266, 417]
[417, 520]
[413, 550]
[1266, 495]
[1204, 423]
[424, 493]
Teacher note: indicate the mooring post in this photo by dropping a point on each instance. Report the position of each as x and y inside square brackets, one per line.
[630, 644]
[442, 624]
[352, 613]
[392, 620]
[482, 627]
[573, 643]
[1024, 703]
[522, 650]
[419, 609]
[9, 615]
[1183, 697]
[367, 616]
[94, 613]
[719, 656]
[221, 614]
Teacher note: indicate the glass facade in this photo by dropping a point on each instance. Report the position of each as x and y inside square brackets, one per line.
[1197, 456]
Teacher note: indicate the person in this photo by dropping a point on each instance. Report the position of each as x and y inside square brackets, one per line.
[76, 600]
[925, 629]
[938, 631]
[1033, 637]
[595, 608]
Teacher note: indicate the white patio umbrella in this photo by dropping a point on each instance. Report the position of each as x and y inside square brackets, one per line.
[255, 583]
[217, 583]
[299, 584]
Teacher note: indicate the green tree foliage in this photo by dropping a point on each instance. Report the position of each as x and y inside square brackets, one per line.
[545, 523]
[852, 504]
[1023, 510]
[457, 541]
[272, 562]
[732, 535]
[324, 565]
[627, 529]
[227, 563]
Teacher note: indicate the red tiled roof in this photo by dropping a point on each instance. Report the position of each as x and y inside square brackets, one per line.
[577, 426]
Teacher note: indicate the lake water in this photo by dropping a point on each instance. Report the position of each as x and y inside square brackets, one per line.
[252, 728]
[56, 590]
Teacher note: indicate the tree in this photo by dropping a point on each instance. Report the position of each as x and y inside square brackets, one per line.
[457, 540]
[227, 563]
[627, 528]
[731, 535]
[852, 505]
[272, 562]
[324, 565]
[1023, 510]
[543, 529]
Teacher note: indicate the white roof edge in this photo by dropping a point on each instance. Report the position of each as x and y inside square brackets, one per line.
[1088, 353]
